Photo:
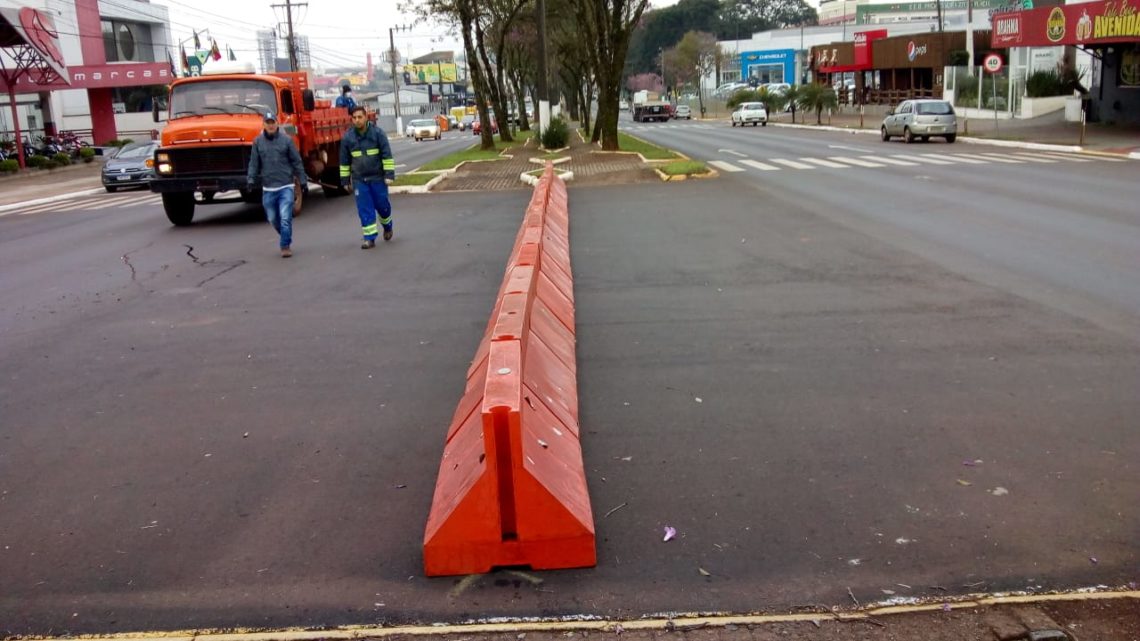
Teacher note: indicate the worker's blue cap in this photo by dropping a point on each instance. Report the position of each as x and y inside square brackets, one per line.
[270, 116]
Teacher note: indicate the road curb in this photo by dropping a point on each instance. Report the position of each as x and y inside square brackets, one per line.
[1019, 144]
[48, 199]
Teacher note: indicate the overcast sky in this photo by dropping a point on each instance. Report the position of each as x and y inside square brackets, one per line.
[340, 31]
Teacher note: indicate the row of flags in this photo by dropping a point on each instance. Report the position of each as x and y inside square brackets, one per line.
[199, 58]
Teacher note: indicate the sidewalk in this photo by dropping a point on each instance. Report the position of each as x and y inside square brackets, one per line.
[1050, 129]
[34, 184]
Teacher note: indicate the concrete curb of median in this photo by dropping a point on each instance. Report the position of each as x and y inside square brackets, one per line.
[426, 187]
[661, 622]
[565, 175]
[48, 199]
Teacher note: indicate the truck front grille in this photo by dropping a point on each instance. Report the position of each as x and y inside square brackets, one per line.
[210, 160]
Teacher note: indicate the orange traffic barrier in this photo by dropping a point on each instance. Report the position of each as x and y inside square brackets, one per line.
[512, 484]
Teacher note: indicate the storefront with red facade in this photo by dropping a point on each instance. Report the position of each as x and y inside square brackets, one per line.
[1109, 30]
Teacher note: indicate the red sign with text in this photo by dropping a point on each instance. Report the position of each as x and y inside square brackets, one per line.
[863, 40]
[132, 74]
[1079, 24]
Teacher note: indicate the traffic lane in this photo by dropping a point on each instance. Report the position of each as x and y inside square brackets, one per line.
[798, 399]
[413, 154]
[1005, 225]
[240, 439]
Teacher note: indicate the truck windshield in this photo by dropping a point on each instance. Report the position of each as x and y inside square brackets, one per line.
[222, 96]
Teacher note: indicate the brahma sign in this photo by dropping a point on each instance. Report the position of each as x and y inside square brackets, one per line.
[1079, 24]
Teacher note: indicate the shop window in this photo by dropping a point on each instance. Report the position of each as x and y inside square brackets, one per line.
[138, 99]
[127, 41]
[765, 74]
[1130, 68]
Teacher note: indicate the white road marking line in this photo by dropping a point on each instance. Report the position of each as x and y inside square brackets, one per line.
[725, 166]
[930, 160]
[141, 201]
[1032, 158]
[755, 164]
[890, 161]
[966, 160]
[63, 204]
[1068, 157]
[826, 163]
[857, 162]
[859, 149]
[734, 153]
[791, 163]
[1002, 158]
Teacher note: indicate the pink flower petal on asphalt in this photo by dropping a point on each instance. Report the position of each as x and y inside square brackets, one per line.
[669, 533]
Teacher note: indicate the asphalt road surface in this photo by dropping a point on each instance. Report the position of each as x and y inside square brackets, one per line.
[824, 379]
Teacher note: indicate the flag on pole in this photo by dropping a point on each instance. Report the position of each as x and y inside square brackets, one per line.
[215, 52]
[232, 57]
[185, 62]
[170, 59]
[197, 42]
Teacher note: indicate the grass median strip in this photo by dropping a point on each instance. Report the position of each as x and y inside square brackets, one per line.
[650, 151]
[684, 168]
[413, 179]
[473, 152]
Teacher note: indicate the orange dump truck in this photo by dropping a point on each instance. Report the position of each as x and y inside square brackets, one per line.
[212, 121]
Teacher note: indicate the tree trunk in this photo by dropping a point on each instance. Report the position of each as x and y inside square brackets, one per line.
[517, 86]
[494, 85]
[478, 83]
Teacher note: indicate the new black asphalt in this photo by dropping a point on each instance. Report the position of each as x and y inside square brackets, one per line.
[198, 434]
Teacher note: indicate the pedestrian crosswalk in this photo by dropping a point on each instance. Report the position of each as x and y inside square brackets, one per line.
[89, 203]
[876, 161]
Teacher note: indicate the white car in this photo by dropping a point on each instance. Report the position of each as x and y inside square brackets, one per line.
[750, 112]
[424, 129]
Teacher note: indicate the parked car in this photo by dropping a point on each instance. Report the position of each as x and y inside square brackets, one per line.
[727, 89]
[778, 88]
[424, 129]
[683, 112]
[921, 119]
[465, 122]
[132, 166]
[750, 112]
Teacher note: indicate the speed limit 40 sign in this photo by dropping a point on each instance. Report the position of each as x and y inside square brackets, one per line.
[992, 63]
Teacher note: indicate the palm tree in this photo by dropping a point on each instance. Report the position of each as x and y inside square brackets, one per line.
[817, 97]
[773, 102]
[792, 97]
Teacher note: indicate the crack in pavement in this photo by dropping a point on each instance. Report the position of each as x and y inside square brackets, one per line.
[126, 258]
[231, 266]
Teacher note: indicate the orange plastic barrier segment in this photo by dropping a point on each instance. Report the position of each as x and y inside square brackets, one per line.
[512, 485]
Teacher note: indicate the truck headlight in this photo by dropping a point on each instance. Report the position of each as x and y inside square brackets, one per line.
[165, 168]
[163, 157]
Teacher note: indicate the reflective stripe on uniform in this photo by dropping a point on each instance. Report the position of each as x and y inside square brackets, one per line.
[386, 221]
[389, 163]
[373, 152]
[345, 170]
[369, 230]
[357, 153]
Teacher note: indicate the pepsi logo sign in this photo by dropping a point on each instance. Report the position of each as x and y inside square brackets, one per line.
[914, 51]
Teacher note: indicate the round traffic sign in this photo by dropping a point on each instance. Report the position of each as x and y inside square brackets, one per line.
[992, 63]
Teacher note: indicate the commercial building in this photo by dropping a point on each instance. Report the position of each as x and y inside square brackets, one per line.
[112, 59]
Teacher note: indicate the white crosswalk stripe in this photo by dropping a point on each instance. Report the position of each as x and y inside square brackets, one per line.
[1002, 159]
[825, 163]
[61, 204]
[791, 163]
[1033, 158]
[966, 160]
[725, 166]
[930, 160]
[890, 161]
[145, 200]
[858, 162]
[755, 164]
[1069, 157]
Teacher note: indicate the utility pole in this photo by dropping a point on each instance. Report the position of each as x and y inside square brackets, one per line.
[969, 35]
[543, 98]
[393, 54]
[291, 41]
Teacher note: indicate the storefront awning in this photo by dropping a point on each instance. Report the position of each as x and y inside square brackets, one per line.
[1087, 24]
[31, 43]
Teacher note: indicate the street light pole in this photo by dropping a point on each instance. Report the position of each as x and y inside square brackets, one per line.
[541, 84]
[392, 55]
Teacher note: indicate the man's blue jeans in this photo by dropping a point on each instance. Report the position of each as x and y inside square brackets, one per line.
[279, 211]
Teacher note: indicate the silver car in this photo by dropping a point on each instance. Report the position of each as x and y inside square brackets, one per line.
[424, 129]
[921, 119]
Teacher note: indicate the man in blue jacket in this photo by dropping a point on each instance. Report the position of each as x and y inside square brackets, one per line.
[275, 164]
[366, 160]
[345, 99]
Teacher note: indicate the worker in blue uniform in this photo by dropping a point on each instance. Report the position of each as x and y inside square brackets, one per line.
[366, 163]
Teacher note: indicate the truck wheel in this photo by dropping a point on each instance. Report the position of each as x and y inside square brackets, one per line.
[179, 207]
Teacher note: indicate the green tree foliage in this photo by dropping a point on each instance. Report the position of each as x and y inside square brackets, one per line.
[662, 29]
[817, 97]
[697, 55]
